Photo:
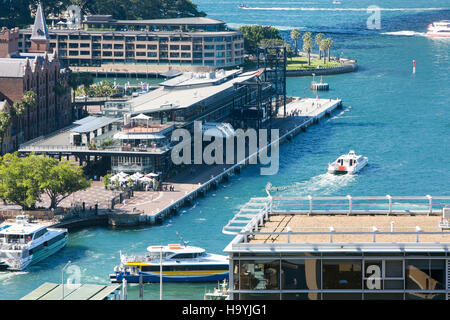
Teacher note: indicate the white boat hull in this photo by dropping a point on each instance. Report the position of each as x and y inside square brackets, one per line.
[335, 168]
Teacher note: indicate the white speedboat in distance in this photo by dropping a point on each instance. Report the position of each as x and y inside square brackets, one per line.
[439, 29]
[180, 263]
[336, 2]
[348, 163]
[23, 243]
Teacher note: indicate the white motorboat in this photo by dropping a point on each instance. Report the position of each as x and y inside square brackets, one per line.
[349, 163]
[439, 29]
[23, 243]
[336, 2]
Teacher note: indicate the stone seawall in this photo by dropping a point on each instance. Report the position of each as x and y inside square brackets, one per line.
[347, 67]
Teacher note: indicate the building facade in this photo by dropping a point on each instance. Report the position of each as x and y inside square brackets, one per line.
[102, 40]
[38, 77]
[313, 252]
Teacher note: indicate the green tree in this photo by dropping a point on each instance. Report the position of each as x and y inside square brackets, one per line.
[19, 182]
[318, 39]
[59, 179]
[295, 35]
[74, 82]
[5, 122]
[106, 180]
[253, 35]
[308, 45]
[143, 9]
[277, 42]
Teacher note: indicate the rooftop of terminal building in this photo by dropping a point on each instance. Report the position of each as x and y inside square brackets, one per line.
[335, 223]
[186, 91]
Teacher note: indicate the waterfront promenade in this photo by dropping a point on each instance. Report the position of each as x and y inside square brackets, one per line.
[193, 181]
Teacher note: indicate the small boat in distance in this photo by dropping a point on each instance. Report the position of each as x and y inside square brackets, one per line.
[336, 2]
[349, 163]
[23, 243]
[242, 6]
[179, 263]
[439, 29]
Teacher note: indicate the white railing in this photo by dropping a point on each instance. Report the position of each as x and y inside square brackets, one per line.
[430, 205]
[331, 233]
[342, 205]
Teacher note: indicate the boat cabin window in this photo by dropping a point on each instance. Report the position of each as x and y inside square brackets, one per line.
[40, 233]
[14, 238]
[186, 255]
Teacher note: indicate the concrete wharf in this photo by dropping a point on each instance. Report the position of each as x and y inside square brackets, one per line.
[301, 113]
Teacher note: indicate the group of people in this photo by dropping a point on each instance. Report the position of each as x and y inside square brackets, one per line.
[295, 113]
[170, 188]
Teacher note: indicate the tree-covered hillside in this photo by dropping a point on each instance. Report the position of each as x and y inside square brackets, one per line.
[16, 13]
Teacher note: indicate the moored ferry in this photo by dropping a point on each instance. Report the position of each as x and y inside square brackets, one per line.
[439, 29]
[180, 263]
[23, 243]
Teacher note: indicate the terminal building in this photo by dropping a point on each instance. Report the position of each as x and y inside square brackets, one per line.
[101, 40]
[136, 134]
[340, 248]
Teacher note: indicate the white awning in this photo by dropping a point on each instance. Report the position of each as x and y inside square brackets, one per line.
[141, 116]
[140, 136]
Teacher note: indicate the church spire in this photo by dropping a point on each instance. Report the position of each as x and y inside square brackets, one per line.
[39, 36]
[40, 31]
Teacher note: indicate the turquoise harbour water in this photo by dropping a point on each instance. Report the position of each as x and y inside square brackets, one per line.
[399, 120]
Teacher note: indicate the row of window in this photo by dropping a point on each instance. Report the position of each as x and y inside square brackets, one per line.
[323, 274]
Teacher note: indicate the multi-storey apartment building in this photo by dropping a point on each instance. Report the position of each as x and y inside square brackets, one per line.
[103, 40]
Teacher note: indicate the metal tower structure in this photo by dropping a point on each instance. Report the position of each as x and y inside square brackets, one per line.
[256, 101]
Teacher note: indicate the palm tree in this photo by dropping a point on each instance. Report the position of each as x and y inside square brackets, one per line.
[74, 82]
[330, 43]
[308, 45]
[323, 47]
[295, 35]
[318, 39]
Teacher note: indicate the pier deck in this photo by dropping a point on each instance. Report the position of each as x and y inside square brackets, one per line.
[189, 185]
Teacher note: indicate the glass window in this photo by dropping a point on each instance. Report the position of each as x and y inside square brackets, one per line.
[383, 296]
[259, 296]
[341, 296]
[260, 275]
[342, 274]
[394, 269]
[424, 296]
[300, 274]
[300, 296]
[425, 274]
[437, 273]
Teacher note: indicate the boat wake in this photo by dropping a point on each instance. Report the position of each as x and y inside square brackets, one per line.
[405, 33]
[6, 275]
[323, 184]
[340, 9]
[340, 114]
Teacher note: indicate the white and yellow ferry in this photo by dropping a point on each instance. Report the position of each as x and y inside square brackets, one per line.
[180, 263]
